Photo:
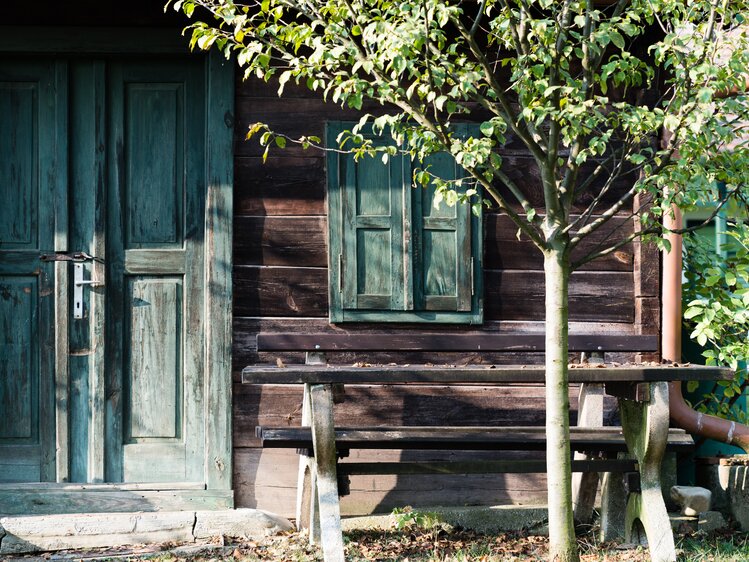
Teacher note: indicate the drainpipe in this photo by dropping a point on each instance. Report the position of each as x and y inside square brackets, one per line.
[682, 415]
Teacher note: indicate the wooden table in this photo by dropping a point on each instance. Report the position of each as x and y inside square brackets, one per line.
[643, 401]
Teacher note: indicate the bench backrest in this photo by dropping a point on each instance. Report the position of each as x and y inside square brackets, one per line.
[449, 342]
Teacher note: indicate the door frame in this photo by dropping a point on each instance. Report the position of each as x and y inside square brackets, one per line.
[218, 222]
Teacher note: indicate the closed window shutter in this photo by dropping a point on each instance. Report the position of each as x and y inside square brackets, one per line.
[393, 256]
[373, 232]
[442, 245]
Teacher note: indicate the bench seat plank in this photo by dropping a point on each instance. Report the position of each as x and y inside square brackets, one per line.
[472, 374]
[609, 439]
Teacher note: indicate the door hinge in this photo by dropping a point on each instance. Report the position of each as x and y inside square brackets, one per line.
[340, 273]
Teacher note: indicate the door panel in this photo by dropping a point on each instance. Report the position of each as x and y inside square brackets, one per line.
[28, 114]
[19, 387]
[154, 273]
[154, 124]
[154, 384]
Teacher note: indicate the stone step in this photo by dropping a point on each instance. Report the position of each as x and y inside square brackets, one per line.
[39, 533]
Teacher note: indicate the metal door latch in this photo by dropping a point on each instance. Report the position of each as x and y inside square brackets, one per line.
[78, 283]
[68, 256]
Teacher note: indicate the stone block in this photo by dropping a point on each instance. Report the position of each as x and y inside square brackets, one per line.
[37, 533]
[711, 521]
[692, 500]
[715, 477]
[738, 491]
[239, 523]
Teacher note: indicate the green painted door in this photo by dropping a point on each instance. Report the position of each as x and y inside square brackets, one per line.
[29, 172]
[103, 157]
[155, 308]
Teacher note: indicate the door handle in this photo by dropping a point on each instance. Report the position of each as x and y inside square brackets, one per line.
[78, 283]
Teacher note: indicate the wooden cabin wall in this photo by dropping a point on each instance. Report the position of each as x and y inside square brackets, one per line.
[281, 285]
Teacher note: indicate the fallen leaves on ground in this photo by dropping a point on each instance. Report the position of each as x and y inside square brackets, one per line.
[413, 544]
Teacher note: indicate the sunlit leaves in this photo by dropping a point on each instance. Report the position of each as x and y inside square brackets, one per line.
[579, 85]
[717, 310]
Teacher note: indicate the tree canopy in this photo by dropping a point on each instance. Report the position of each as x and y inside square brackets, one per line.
[626, 107]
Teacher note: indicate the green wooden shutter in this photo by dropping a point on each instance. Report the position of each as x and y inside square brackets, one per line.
[367, 231]
[444, 277]
[394, 257]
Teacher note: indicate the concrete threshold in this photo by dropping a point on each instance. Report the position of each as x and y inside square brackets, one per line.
[43, 533]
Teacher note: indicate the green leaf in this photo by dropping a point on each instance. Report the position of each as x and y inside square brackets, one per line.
[617, 39]
[693, 312]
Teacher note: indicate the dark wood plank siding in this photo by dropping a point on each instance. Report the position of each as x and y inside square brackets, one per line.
[281, 284]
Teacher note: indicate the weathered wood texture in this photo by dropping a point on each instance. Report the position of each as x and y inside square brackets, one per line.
[267, 479]
[246, 352]
[41, 500]
[509, 294]
[615, 378]
[280, 405]
[281, 285]
[449, 341]
[481, 438]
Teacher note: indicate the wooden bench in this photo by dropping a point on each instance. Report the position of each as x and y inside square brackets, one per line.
[644, 408]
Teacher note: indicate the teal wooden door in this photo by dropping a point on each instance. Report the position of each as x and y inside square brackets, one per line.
[29, 172]
[102, 157]
[155, 310]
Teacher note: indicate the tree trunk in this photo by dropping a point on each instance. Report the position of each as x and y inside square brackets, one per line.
[562, 544]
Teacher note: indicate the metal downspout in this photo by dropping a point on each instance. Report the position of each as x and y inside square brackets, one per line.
[682, 415]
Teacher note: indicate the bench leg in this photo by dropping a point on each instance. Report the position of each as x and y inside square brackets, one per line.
[585, 484]
[645, 426]
[307, 516]
[304, 476]
[613, 505]
[323, 441]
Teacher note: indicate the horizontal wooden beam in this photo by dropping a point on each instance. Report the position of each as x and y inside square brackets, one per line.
[608, 439]
[93, 40]
[473, 374]
[523, 466]
[448, 342]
